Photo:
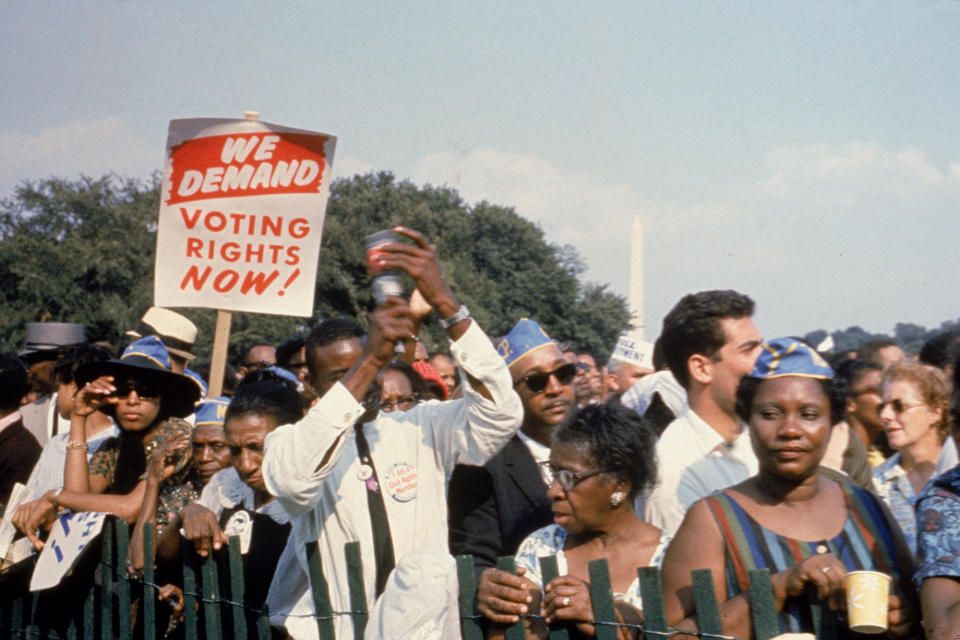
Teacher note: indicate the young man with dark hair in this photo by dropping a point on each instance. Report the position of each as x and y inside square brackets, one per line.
[331, 349]
[19, 450]
[709, 342]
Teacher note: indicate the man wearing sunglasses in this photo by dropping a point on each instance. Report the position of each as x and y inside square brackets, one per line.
[494, 507]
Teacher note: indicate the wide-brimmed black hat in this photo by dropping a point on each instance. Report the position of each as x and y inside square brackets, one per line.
[147, 358]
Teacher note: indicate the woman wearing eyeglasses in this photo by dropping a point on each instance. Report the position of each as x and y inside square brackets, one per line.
[401, 387]
[601, 457]
[148, 402]
[917, 424]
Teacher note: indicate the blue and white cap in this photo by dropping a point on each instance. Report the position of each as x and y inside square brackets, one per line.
[790, 357]
[525, 337]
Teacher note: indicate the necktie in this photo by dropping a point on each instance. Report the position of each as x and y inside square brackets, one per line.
[382, 542]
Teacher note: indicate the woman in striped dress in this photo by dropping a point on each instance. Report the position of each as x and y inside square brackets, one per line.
[808, 530]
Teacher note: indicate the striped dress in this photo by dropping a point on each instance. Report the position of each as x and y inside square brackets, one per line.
[866, 542]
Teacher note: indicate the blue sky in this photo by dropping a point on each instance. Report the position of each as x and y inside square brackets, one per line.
[805, 153]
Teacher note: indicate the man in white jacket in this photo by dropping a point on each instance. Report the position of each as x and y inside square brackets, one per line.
[316, 468]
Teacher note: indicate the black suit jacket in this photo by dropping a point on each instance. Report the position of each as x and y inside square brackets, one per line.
[19, 451]
[494, 507]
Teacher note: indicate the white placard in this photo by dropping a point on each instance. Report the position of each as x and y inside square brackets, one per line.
[241, 216]
[18, 496]
[70, 536]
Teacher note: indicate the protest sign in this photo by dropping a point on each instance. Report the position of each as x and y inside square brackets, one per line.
[18, 496]
[70, 536]
[241, 215]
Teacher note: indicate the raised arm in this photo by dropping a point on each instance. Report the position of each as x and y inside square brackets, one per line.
[298, 456]
[89, 398]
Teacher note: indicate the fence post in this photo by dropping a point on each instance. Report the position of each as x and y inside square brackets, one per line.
[106, 582]
[124, 618]
[16, 617]
[89, 613]
[601, 598]
[321, 593]
[211, 598]
[549, 569]
[765, 622]
[515, 631]
[149, 598]
[654, 614]
[469, 616]
[358, 596]
[708, 611]
[237, 588]
[189, 588]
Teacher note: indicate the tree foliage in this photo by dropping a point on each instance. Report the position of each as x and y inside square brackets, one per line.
[83, 251]
[909, 336]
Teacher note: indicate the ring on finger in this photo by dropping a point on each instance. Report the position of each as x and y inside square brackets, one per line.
[565, 602]
[825, 570]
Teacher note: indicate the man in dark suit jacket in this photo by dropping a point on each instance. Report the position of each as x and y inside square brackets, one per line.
[19, 450]
[494, 507]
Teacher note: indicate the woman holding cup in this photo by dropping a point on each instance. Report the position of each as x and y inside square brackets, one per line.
[808, 530]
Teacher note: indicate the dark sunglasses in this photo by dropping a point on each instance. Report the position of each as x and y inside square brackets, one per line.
[143, 389]
[537, 382]
[898, 406]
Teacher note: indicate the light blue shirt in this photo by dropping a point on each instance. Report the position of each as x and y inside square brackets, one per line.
[894, 487]
[47, 474]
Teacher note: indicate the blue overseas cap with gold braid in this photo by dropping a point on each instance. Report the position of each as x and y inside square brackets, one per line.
[526, 336]
[790, 357]
[286, 375]
[212, 412]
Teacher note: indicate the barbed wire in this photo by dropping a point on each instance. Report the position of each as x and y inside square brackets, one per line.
[126, 576]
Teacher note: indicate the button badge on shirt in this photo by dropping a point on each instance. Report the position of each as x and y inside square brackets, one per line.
[401, 482]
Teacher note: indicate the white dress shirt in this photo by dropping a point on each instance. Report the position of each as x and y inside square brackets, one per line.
[693, 461]
[414, 453]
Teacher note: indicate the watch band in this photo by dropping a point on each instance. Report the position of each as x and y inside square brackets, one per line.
[462, 314]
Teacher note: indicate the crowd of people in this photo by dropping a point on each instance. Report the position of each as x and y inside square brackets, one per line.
[707, 449]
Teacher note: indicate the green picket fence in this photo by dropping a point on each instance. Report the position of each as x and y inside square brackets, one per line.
[104, 608]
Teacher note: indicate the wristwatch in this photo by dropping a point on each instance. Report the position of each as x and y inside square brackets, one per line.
[462, 314]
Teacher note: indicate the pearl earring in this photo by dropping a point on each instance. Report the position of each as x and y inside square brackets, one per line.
[617, 498]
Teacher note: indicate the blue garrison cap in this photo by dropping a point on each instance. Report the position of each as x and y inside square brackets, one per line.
[790, 357]
[200, 382]
[212, 412]
[287, 375]
[525, 337]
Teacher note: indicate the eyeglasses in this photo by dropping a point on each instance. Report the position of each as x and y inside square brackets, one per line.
[143, 389]
[898, 406]
[403, 403]
[565, 478]
[537, 382]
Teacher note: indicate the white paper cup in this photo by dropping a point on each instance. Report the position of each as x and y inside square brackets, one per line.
[867, 597]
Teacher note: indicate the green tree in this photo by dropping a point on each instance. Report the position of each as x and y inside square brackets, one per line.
[83, 251]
